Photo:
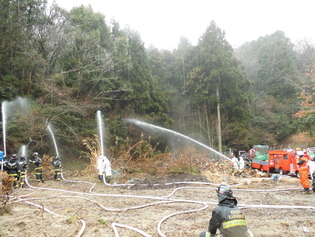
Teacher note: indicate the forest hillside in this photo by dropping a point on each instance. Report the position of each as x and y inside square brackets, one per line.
[59, 68]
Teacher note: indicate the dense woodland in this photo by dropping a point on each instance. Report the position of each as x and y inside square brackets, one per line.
[71, 64]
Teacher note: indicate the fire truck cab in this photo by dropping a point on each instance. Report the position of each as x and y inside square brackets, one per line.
[277, 161]
[283, 161]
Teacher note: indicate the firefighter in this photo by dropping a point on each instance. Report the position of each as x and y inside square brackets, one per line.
[311, 166]
[104, 168]
[38, 167]
[226, 217]
[11, 166]
[2, 160]
[303, 171]
[241, 163]
[57, 165]
[22, 170]
[247, 162]
[234, 162]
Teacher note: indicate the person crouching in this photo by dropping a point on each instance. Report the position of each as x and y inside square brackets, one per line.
[226, 217]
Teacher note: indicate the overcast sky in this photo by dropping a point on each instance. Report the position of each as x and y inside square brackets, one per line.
[162, 23]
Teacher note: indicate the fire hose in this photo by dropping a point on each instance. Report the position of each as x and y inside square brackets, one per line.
[165, 199]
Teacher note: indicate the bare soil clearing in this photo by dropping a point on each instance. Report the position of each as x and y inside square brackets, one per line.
[60, 208]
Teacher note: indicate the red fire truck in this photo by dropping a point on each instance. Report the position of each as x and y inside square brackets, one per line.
[279, 161]
[284, 161]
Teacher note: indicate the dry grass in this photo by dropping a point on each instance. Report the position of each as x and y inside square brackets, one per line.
[7, 185]
[48, 168]
[93, 151]
[7, 182]
[140, 160]
[188, 160]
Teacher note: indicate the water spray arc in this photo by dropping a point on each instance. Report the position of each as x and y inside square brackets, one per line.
[103, 163]
[3, 110]
[100, 130]
[53, 137]
[147, 125]
[7, 107]
[23, 153]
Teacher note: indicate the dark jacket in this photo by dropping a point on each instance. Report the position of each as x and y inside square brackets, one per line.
[22, 164]
[37, 162]
[11, 166]
[228, 218]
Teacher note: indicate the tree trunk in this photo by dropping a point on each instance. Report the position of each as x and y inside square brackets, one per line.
[208, 126]
[219, 122]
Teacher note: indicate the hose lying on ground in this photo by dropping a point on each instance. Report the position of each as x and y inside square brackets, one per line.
[163, 200]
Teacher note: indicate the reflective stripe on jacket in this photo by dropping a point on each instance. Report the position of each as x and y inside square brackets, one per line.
[229, 219]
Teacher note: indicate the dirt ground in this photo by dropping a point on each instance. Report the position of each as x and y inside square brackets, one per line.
[173, 205]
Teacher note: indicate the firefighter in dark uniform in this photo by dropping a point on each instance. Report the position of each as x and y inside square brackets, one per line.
[11, 166]
[226, 217]
[22, 170]
[38, 167]
[57, 165]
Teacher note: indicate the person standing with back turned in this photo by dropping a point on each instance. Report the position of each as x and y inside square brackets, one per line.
[226, 217]
[38, 167]
[303, 171]
[57, 166]
[22, 170]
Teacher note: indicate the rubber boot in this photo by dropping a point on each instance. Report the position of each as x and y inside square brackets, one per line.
[41, 178]
[107, 179]
[205, 234]
[307, 191]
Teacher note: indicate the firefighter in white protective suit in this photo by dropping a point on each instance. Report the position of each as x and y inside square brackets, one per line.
[234, 162]
[104, 168]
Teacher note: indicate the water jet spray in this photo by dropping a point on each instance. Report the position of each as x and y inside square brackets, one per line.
[103, 163]
[54, 140]
[147, 125]
[6, 106]
[100, 130]
[23, 152]
[3, 111]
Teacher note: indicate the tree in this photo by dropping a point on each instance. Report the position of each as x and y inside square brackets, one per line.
[306, 61]
[168, 70]
[147, 96]
[19, 20]
[271, 66]
[87, 61]
[217, 85]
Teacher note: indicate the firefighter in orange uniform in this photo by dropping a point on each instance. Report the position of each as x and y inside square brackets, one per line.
[301, 162]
